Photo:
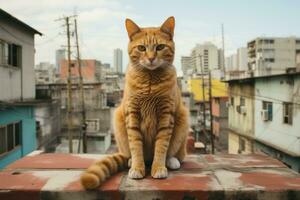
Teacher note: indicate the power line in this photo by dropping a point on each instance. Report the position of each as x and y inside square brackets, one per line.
[49, 40]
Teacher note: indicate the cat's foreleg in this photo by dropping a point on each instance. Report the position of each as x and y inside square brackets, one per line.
[135, 139]
[121, 132]
[164, 131]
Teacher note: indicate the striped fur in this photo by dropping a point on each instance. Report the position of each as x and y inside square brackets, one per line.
[98, 172]
[151, 123]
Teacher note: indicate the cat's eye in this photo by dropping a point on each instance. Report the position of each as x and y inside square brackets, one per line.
[141, 48]
[160, 47]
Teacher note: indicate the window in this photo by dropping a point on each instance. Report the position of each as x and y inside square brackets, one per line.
[268, 106]
[270, 60]
[232, 101]
[288, 113]
[242, 145]
[9, 137]
[242, 101]
[10, 54]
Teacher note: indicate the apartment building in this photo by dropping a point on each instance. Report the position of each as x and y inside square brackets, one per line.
[263, 116]
[273, 55]
[17, 119]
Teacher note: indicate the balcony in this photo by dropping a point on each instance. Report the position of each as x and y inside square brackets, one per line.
[56, 176]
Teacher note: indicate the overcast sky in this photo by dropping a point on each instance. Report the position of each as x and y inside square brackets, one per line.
[101, 22]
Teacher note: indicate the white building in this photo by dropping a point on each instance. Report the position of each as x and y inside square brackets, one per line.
[60, 54]
[45, 73]
[186, 64]
[264, 116]
[17, 59]
[17, 89]
[242, 59]
[206, 56]
[273, 55]
[277, 117]
[118, 60]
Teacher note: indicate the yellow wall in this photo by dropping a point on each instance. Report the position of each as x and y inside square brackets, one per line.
[233, 144]
[219, 89]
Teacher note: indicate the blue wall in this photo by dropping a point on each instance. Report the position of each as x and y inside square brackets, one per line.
[24, 114]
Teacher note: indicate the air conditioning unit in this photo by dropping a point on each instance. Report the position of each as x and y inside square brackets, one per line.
[265, 115]
[242, 109]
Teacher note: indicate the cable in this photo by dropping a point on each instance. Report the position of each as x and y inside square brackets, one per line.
[49, 40]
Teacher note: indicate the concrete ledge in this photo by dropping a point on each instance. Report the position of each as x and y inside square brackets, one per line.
[202, 177]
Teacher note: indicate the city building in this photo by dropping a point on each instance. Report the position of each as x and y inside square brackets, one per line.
[241, 116]
[17, 119]
[91, 70]
[205, 56]
[199, 108]
[186, 65]
[263, 116]
[98, 114]
[220, 122]
[221, 61]
[237, 61]
[60, 54]
[45, 72]
[273, 55]
[118, 60]
[242, 59]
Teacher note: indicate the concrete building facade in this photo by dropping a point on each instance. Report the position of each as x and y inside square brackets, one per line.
[240, 117]
[60, 54]
[220, 122]
[267, 120]
[273, 55]
[98, 114]
[17, 120]
[92, 70]
[118, 60]
[46, 73]
[186, 65]
[242, 59]
[277, 114]
[205, 55]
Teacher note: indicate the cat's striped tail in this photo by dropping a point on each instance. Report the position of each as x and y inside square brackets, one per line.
[98, 172]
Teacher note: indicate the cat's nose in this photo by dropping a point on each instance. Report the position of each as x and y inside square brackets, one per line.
[151, 59]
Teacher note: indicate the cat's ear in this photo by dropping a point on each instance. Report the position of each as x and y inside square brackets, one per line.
[168, 26]
[131, 28]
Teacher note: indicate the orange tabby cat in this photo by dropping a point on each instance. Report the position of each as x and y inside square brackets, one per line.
[151, 124]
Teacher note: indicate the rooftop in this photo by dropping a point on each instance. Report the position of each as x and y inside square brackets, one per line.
[56, 176]
[13, 19]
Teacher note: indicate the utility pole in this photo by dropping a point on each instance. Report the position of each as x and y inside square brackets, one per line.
[83, 123]
[212, 139]
[69, 87]
[69, 83]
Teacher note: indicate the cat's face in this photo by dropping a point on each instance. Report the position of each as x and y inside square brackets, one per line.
[151, 48]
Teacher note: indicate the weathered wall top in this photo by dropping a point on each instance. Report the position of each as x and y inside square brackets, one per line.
[56, 176]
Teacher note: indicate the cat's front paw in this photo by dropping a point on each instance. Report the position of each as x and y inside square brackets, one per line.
[136, 173]
[173, 163]
[159, 172]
